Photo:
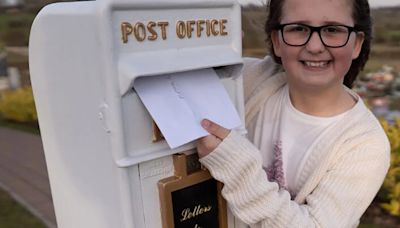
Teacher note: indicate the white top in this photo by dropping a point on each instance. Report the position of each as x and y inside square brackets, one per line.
[298, 132]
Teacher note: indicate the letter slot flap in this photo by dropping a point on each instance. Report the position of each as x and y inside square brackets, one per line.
[131, 66]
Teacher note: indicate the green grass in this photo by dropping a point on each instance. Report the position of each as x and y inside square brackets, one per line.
[30, 128]
[24, 18]
[367, 226]
[12, 215]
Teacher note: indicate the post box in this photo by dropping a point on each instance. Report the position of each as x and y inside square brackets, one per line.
[108, 166]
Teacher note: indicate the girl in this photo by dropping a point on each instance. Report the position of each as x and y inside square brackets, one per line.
[316, 156]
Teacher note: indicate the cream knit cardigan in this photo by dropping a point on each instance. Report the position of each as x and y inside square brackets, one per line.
[336, 186]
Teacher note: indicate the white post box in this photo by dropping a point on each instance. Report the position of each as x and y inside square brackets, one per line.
[104, 165]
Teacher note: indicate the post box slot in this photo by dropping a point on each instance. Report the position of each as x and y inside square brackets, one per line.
[147, 64]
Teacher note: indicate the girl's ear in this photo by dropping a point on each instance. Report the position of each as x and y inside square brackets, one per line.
[275, 43]
[358, 44]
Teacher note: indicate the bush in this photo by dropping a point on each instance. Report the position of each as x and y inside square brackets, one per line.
[18, 105]
[390, 191]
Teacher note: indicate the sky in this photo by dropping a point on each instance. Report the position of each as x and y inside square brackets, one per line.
[378, 3]
[372, 3]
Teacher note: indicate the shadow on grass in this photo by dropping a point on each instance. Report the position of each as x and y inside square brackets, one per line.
[26, 127]
[13, 215]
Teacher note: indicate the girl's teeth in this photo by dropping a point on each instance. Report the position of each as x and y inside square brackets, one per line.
[316, 64]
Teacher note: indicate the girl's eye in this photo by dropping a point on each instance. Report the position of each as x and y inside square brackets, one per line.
[334, 29]
[296, 28]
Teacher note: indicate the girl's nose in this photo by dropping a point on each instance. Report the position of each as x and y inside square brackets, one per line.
[314, 44]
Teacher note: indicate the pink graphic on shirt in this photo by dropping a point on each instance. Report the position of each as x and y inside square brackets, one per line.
[275, 170]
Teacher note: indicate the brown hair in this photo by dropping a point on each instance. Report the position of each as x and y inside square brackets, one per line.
[362, 22]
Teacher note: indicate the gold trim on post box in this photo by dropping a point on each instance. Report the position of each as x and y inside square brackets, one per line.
[191, 200]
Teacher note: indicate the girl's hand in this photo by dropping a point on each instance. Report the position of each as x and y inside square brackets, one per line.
[207, 144]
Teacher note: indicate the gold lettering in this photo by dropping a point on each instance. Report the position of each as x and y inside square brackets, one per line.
[150, 28]
[197, 210]
[208, 27]
[213, 25]
[222, 27]
[140, 36]
[126, 29]
[189, 28]
[163, 25]
[185, 214]
[201, 210]
[200, 28]
[184, 29]
[180, 29]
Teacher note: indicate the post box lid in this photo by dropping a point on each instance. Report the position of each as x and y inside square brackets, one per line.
[135, 65]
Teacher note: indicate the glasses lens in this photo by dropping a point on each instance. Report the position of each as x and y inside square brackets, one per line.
[295, 34]
[334, 35]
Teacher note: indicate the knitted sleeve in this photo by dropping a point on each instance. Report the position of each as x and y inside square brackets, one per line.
[339, 200]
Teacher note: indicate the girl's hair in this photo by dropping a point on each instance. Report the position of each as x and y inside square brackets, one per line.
[362, 22]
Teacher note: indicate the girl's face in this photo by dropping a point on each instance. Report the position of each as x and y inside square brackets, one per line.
[314, 66]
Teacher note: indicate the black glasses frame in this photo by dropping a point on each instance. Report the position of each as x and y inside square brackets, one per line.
[318, 30]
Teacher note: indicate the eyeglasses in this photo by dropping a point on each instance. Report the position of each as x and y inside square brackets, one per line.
[333, 36]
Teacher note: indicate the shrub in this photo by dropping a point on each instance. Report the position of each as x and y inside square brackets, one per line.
[390, 191]
[18, 105]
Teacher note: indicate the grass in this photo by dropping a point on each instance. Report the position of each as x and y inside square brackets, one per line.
[30, 128]
[367, 226]
[6, 18]
[12, 215]
[21, 19]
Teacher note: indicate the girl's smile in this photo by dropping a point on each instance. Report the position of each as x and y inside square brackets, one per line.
[316, 65]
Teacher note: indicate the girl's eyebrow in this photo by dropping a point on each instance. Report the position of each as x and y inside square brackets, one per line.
[335, 23]
[308, 23]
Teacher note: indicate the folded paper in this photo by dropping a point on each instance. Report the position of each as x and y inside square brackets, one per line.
[179, 101]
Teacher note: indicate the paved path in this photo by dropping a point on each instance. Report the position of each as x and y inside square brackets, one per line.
[23, 173]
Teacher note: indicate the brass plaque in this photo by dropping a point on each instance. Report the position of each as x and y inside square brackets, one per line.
[191, 200]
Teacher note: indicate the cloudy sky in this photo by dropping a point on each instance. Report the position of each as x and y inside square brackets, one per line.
[373, 3]
[377, 3]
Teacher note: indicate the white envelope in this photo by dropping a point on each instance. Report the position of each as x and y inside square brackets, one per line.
[178, 102]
